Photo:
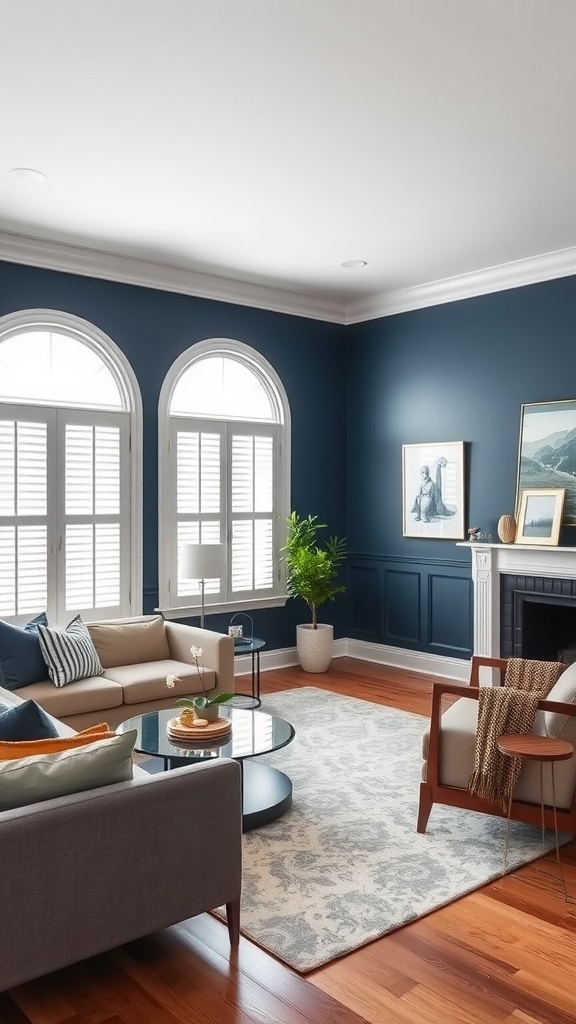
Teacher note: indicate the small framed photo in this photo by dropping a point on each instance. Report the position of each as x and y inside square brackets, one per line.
[540, 516]
[433, 490]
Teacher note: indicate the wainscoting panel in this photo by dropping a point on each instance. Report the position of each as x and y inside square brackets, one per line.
[450, 614]
[416, 605]
[402, 607]
[365, 600]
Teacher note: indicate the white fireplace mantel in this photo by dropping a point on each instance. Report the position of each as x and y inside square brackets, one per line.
[488, 562]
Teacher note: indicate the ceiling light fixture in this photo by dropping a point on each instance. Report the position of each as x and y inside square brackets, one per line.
[27, 174]
[353, 264]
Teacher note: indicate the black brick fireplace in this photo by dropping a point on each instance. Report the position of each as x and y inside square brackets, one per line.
[524, 599]
[537, 618]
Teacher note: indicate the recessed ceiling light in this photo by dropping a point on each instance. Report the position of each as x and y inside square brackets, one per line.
[353, 264]
[27, 174]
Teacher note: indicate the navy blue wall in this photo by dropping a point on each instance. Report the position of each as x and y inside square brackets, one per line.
[455, 372]
[152, 328]
[459, 371]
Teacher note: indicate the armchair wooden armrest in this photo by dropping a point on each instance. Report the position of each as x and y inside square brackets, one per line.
[480, 661]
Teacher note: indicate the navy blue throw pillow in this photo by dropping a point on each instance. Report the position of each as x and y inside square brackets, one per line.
[21, 661]
[26, 721]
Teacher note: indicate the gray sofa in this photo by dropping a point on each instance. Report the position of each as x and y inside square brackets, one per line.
[84, 873]
[137, 654]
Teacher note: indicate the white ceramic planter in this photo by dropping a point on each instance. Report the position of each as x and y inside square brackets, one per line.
[314, 646]
[209, 714]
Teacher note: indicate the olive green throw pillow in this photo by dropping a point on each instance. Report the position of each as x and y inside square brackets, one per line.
[28, 780]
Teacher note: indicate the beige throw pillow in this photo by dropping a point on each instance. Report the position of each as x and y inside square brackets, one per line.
[130, 643]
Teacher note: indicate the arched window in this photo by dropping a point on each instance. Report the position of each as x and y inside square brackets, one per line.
[224, 448]
[70, 471]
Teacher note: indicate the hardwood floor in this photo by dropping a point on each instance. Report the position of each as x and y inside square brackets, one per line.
[506, 953]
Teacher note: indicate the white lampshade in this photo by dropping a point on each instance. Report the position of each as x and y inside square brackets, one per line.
[202, 561]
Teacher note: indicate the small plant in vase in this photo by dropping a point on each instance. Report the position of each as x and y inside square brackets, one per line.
[201, 708]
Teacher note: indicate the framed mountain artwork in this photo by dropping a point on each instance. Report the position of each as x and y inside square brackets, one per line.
[547, 452]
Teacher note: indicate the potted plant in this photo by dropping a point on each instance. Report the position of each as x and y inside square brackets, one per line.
[207, 708]
[312, 571]
[204, 707]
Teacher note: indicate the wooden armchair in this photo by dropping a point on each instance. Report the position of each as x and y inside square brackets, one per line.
[448, 752]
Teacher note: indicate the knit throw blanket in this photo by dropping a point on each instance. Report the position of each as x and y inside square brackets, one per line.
[510, 708]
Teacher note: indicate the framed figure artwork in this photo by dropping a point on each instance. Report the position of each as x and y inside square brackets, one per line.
[547, 453]
[433, 490]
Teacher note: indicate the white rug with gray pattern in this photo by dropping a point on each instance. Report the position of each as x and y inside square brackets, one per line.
[345, 865]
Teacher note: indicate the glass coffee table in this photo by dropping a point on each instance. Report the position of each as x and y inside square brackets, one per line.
[266, 791]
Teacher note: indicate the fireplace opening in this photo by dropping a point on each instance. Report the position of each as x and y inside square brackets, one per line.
[538, 617]
[545, 628]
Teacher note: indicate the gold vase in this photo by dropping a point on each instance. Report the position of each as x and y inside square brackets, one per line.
[507, 529]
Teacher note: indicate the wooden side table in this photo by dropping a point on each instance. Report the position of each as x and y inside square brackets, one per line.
[545, 750]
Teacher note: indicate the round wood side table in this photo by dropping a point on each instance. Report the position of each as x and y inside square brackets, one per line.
[545, 750]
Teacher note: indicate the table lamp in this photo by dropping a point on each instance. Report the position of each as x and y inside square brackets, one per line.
[202, 562]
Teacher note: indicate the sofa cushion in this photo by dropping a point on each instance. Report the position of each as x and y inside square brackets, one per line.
[148, 681]
[29, 748]
[21, 661]
[28, 780]
[93, 694]
[564, 691]
[69, 654]
[25, 721]
[458, 742]
[129, 642]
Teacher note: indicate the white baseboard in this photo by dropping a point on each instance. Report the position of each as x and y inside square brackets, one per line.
[380, 654]
[412, 661]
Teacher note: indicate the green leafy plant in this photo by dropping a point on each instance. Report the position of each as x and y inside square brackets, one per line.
[202, 702]
[312, 568]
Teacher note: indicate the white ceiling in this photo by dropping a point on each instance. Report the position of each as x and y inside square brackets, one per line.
[264, 142]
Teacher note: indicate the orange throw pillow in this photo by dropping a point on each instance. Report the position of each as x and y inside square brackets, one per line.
[9, 750]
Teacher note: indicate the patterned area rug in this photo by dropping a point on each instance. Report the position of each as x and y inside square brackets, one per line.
[345, 865]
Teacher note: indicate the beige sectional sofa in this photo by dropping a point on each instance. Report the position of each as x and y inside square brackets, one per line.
[137, 655]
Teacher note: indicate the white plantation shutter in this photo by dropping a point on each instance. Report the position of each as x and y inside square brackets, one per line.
[198, 496]
[224, 474]
[92, 546]
[252, 507]
[23, 570]
[224, 491]
[61, 550]
[24, 480]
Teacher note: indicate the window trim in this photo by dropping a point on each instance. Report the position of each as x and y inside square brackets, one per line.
[262, 368]
[88, 334]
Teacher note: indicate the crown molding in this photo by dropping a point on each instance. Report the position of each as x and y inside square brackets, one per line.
[88, 262]
[517, 274]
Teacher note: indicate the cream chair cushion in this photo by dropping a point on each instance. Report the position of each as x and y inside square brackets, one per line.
[564, 690]
[457, 743]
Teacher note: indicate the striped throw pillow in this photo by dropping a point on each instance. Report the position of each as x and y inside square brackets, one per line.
[69, 653]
